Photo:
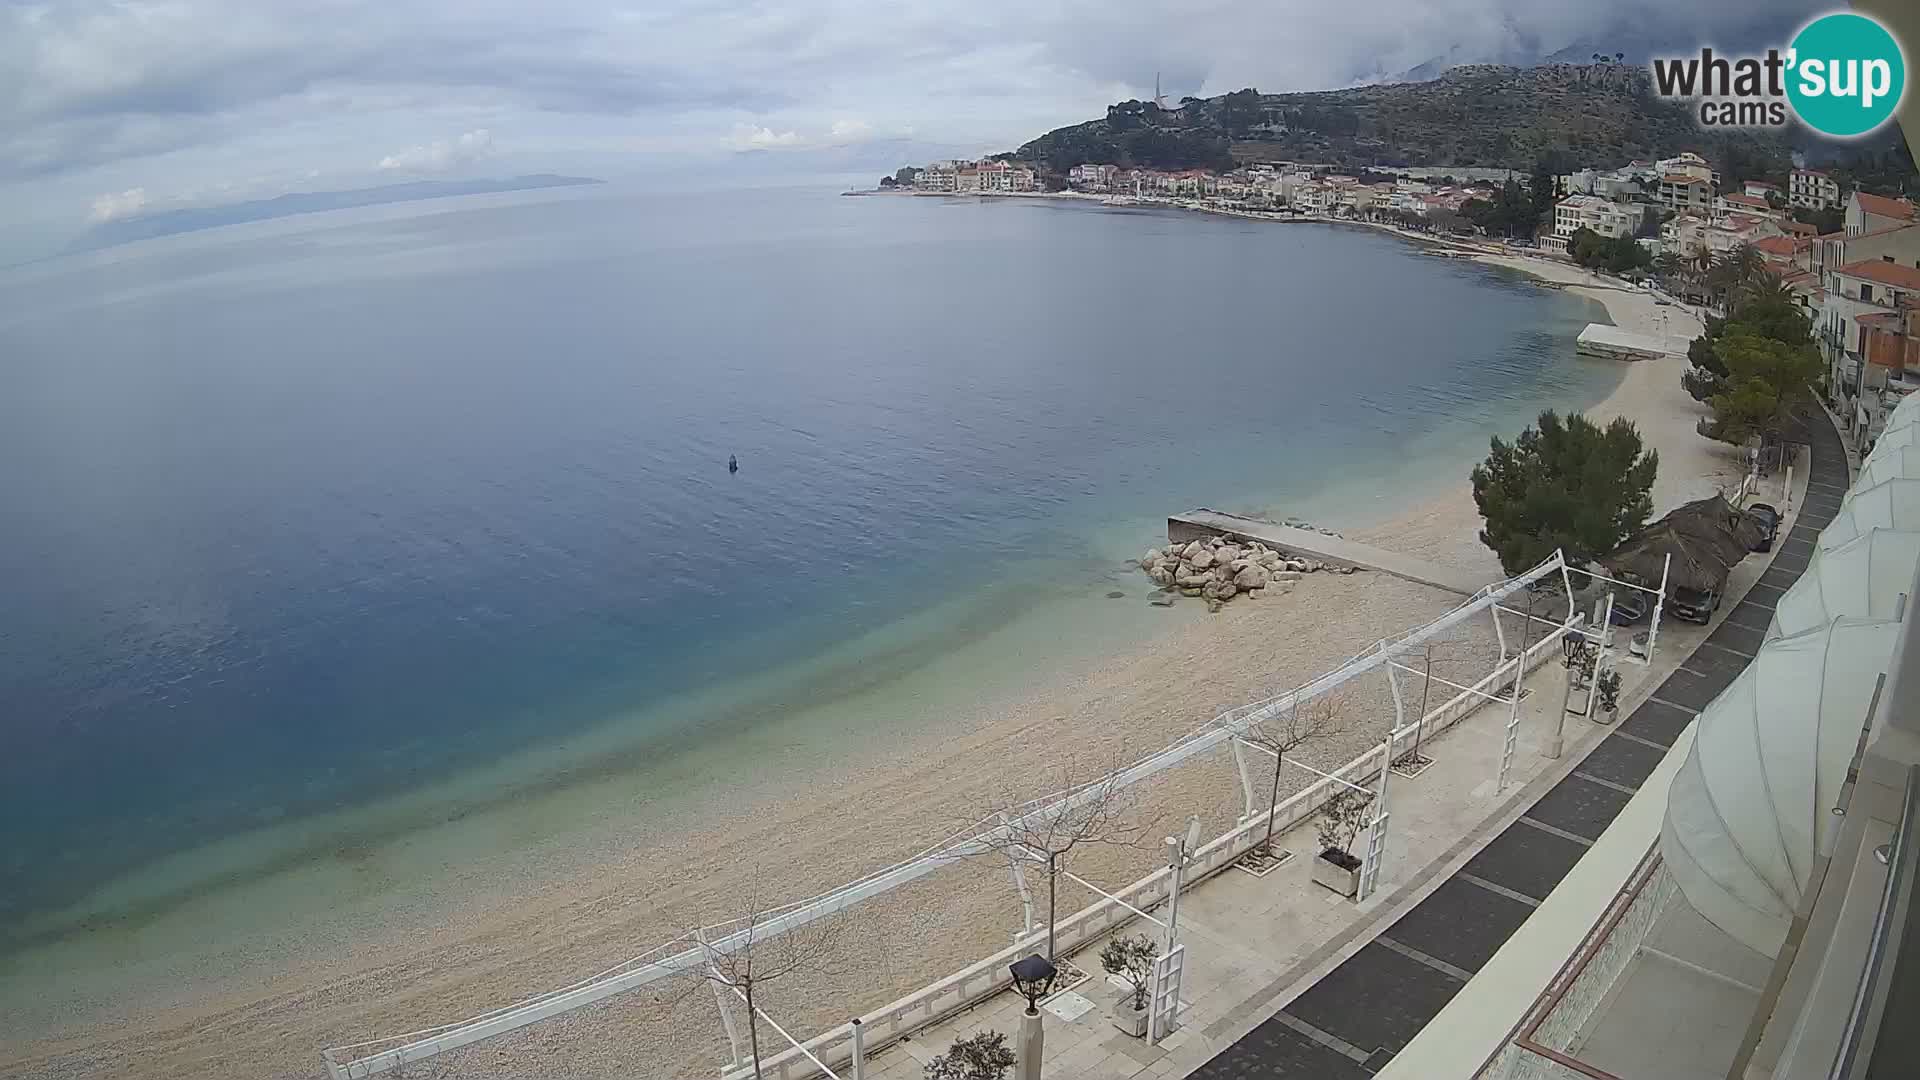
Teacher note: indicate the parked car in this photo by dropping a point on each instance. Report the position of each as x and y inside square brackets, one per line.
[1630, 606]
[1694, 605]
[1769, 520]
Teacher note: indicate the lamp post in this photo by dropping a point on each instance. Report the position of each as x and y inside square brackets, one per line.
[1032, 978]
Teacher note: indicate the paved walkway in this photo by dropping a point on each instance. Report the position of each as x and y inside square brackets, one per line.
[1336, 550]
[1352, 1021]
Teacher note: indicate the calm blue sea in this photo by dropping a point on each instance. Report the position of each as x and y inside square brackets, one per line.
[298, 515]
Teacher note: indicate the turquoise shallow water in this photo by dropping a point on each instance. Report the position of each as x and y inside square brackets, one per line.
[306, 517]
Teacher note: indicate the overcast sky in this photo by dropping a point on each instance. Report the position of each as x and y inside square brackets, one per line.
[109, 109]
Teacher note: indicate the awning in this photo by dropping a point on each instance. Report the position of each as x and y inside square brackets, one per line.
[1748, 810]
[1863, 578]
[1890, 504]
[1899, 464]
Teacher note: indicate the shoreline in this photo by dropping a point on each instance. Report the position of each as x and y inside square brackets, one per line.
[512, 937]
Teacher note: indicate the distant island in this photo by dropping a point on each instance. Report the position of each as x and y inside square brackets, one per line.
[168, 222]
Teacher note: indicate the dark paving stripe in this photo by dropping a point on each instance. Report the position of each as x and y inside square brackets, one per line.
[1718, 663]
[1779, 577]
[1732, 635]
[1766, 593]
[1460, 923]
[1657, 721]
[1804, 531]
[1751, 614]
[1693, 689]
[1274, 1049]
[1377, 1000]
[1580, 807]
[1795, 547]
[1622, 761]
[1793, 560]
[1526, 860]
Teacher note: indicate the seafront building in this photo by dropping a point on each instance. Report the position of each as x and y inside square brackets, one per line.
[1813, 189]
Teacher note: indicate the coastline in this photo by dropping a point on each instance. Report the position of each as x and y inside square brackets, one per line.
[432, 961]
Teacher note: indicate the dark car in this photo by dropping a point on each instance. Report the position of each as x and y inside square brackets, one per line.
[1769, 520]
[1694, 605]
[1630, 606]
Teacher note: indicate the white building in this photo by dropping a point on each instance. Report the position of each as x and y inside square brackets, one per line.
[1095, 177]
[1681, 192]
[1576, 212]
[1812, 189]
[938, 176]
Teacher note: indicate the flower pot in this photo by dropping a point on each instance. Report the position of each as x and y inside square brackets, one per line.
[1129, 1019]
[1338, 871]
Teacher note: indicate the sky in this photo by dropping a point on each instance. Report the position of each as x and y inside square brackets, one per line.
[110, 109]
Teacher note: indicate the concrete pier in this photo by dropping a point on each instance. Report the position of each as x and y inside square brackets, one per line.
[1204, 524]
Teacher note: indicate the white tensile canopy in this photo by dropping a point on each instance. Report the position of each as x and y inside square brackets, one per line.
[1889, 463]
[1895, 438]
[1892, 504]
[1747, 813]
[1905, 413]
[1864, 577]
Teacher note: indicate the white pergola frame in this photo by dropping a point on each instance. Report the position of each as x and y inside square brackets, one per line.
[669, 960]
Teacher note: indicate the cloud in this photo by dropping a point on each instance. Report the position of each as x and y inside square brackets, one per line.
[112, 206]
[441, 155]
[108, 95]
[754, 137]
[846, 131]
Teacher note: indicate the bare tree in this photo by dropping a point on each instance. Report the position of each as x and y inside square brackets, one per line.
[1305, 723]
[749, 953]
[1049, 829]
[1414, 757]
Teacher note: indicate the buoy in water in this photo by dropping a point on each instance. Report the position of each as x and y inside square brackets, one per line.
[733, 464]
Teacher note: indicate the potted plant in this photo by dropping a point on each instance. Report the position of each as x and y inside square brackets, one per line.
[1131, 959]
[983, 1055]
[1339, 826]
[1608, 690]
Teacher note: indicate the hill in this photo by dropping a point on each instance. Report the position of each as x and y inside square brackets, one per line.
[1482, 115]
[190, 219]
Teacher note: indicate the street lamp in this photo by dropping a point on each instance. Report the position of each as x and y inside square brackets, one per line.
[1032, 978]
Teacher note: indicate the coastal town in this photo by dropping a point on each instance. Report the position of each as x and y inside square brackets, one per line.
[1850, 258]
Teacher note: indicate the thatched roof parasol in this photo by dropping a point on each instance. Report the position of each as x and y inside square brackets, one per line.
[1697, 562]
[1714, 519]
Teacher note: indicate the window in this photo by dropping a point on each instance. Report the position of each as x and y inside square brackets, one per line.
[1866, 292]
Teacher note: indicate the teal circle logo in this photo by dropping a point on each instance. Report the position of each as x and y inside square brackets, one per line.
[1846, 75]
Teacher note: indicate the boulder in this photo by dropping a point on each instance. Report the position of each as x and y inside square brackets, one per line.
[1192, 549]
[1238, 565]
[1202, 559]
[1186, 591]
[1160, 575]
[1152, 556]
[1286, 575]
[1251, 577]
[1297, 566]
[1160, 600]
[1255, 594]
[1192, 581]
[1214, 606]
[1221, 573]
[1348, 569]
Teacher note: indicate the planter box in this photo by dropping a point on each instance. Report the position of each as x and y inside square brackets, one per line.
[1129, 1019]
[1334, 876]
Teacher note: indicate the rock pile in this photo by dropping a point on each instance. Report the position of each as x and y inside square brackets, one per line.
[1219, 569]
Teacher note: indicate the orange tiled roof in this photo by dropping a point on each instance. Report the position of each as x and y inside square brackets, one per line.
[1754, 201]
[1777, 245]
[1886, 273]
[1799, 228]
[1881, 206]
[1680, 178]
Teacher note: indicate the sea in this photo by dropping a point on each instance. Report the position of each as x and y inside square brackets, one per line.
[336, 515]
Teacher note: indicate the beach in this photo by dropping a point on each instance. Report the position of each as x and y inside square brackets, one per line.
[262, 1000]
